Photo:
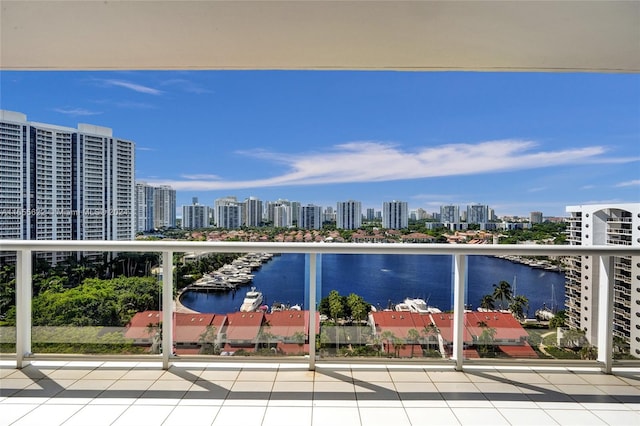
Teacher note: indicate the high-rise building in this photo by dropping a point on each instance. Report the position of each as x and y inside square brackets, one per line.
[61, 183]
[310, 217]
[535, 217]
[219, 202]
[230, 216]
[279, 213]
[478, 213]
[395, 214]
[164, 207]
[329, 215]
[349, 214]
[371, 214]
[450, 214]
[253, 212]
[144, 207]
[196, 216]
[604, 224]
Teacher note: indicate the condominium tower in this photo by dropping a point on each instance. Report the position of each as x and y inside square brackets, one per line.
[310, 217]
[395, 215]
[349, 215]
[604, 224]
[195, 216]
[61, 183]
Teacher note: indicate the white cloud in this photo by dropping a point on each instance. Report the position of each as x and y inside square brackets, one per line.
[538, 189]
[200, 176]
[376, 162]
[186, 85]
[76, 111]
[629, 183]
[133, 86]
[144, 148]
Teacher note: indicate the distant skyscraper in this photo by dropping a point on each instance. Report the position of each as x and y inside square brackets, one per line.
[144, 207]
[225, 201]
[195, 216]
[230, 216]
[329, 215]
[371, 214]
[164, 207]
[349, 215]
[395, 215]
[310, 217]
[604, 224]
[279, 213]
[535, 217]
[450, 214]
[253, 212]
[478, 213]
[61, 183]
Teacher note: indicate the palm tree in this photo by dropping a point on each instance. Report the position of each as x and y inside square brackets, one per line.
[428, 331]
[387, 336]
[413, 335]
[502, 292]
[487, 302]
[518, 305]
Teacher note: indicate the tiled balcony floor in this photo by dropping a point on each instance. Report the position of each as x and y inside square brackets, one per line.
[140, 393]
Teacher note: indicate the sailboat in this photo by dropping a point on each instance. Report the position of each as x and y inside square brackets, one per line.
[544, 313]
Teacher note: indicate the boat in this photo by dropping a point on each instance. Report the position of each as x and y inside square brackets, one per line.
[419, 306]
[252, 301]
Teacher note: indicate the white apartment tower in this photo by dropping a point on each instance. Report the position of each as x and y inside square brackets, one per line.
[195, 216]
[604, 224]
[61, 183]
[279, 213]
[349, 214]
[144, 207]
[253, 212]
[395, 215]
[310, 217]
[164, 207]
[450, 214]
[478, 213]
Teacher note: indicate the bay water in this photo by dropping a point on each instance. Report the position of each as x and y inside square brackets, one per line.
[388, 279]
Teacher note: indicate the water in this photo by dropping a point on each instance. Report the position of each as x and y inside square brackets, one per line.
[381, 279]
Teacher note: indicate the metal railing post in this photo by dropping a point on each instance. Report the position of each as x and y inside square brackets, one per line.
[605, 313]
[459, 274]
[312, 310]
[167, 308]
[23, 307]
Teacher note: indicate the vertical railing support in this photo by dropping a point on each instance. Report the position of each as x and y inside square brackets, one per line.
[459, 274]
[23, 307]
[605, 313]
[167, 308]
[312, 310]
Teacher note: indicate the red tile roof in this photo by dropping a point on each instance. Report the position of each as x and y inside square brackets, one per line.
[243, 325]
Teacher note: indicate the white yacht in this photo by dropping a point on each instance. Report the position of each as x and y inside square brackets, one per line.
[252, 301]
[420, 306]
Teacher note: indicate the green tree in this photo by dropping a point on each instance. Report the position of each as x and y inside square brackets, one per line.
[208, 341]
[487, 336]
[336, 308]
[558, 320]
[413, 336]
[428, 331]
[299, 337]
[358, 307]
[519, 304]
[502, 292]
[487, 302]
[388, 337]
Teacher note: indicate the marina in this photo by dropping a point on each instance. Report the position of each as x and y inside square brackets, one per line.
[384, 280]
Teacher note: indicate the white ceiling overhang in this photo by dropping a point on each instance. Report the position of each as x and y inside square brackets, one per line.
[596, 36]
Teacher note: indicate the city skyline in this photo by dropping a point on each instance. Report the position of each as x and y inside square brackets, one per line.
[519, 142]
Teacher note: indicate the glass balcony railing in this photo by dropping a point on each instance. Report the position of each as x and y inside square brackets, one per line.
[454, 304]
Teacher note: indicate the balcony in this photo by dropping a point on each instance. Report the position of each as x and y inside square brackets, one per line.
[458, 330]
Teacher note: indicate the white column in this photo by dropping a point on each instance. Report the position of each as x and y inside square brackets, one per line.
[605, 313]
[23, 307]
[167, 308]
[459, 273]
[312, 311]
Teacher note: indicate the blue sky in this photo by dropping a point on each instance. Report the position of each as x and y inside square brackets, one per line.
[519, 142]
